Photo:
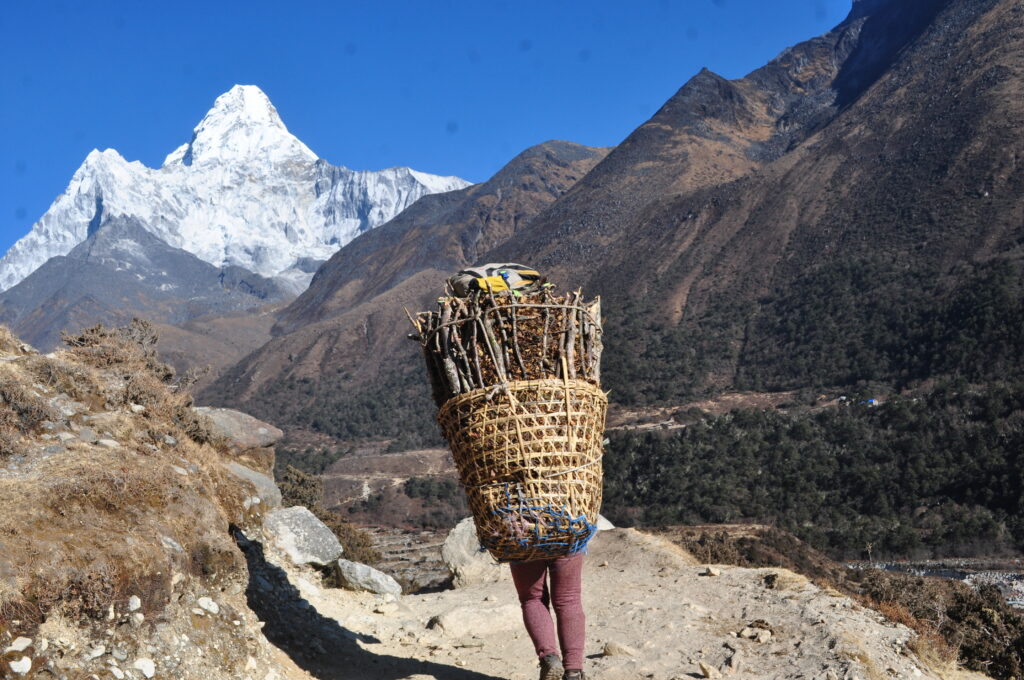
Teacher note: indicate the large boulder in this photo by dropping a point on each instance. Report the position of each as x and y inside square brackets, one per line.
[468, 563]
[301, 536]
[240, 429]
[266, 488]
[356, 576]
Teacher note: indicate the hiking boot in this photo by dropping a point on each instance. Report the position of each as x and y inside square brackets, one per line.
[574, 674]
[551, 667]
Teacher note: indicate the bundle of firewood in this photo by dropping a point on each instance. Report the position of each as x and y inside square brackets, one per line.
[490, 339]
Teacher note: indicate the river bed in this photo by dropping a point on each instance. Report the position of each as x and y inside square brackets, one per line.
[1007, 574]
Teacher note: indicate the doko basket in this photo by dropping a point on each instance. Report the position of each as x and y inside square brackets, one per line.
[529, 456]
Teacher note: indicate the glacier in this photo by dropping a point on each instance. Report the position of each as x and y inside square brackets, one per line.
[243, 191]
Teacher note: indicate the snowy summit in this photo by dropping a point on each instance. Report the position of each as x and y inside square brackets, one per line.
[243, 191]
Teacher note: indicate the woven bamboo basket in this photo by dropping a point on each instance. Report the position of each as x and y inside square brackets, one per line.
[529, 455]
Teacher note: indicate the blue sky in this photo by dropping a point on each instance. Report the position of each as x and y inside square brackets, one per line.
[450, 87]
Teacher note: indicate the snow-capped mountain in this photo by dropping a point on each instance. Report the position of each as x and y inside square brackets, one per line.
[244, 191]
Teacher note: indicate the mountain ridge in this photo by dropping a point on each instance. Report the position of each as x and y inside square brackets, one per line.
[702, 239]
[244, 191]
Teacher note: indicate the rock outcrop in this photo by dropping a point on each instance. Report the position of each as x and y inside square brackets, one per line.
[302, 536]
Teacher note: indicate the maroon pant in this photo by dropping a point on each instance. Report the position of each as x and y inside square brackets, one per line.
[534, 595]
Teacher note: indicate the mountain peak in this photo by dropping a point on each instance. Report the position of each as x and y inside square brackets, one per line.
[248, 103]
[242, 125]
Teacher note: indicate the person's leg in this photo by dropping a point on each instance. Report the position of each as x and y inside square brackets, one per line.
[530, 579]
[566, 596]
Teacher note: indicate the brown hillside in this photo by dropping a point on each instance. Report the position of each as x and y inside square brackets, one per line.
[822, 221]
[350, 321]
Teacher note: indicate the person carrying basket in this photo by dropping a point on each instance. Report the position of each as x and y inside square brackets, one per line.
[515, 372]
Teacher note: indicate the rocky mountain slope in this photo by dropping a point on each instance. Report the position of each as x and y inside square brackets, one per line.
[121, 271]
[117, 506]
[347, 331]
[823, 221]
[242, 192]
[840, 260]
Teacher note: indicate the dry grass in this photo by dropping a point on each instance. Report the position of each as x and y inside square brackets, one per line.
[20, 406]
[9, 344]
[75, 380]
[86, 529]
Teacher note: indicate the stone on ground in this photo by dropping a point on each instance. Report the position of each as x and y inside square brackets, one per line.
[468, 563]
[301, 536]
[356, 576]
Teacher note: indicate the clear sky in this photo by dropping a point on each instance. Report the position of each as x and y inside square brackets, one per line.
[443, 86]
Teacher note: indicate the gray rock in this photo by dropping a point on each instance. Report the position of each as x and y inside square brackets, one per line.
[20, 644]
[356, 576]
[170, 441]
[465, 560]
[266, 489]
[145, 666]
[209, 605]
[88, 435]
[242, 431]
[66, 406]
[109, 443]
[603, 524]
[22, 666]
[708, 671]
[299, 534]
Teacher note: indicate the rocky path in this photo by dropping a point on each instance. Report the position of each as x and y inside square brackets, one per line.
[652, 613]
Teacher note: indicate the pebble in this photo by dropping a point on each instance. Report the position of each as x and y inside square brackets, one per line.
[137, 408]
[145, 666]
[180, 470]
[64, 436]
[116, 672]
[617, 649]
[134, 603]
[708, 671]
[209, 605]
[109, 444]
[170, 441]
[20, 644]
[95, 653]
[119, 653]
[22, 665]
[137, 619]
[712, 571]
[88, 435]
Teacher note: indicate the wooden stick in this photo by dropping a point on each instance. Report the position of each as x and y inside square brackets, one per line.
[570, 341]
[515, 345]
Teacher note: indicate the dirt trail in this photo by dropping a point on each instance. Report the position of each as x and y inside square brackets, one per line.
[643, 595]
